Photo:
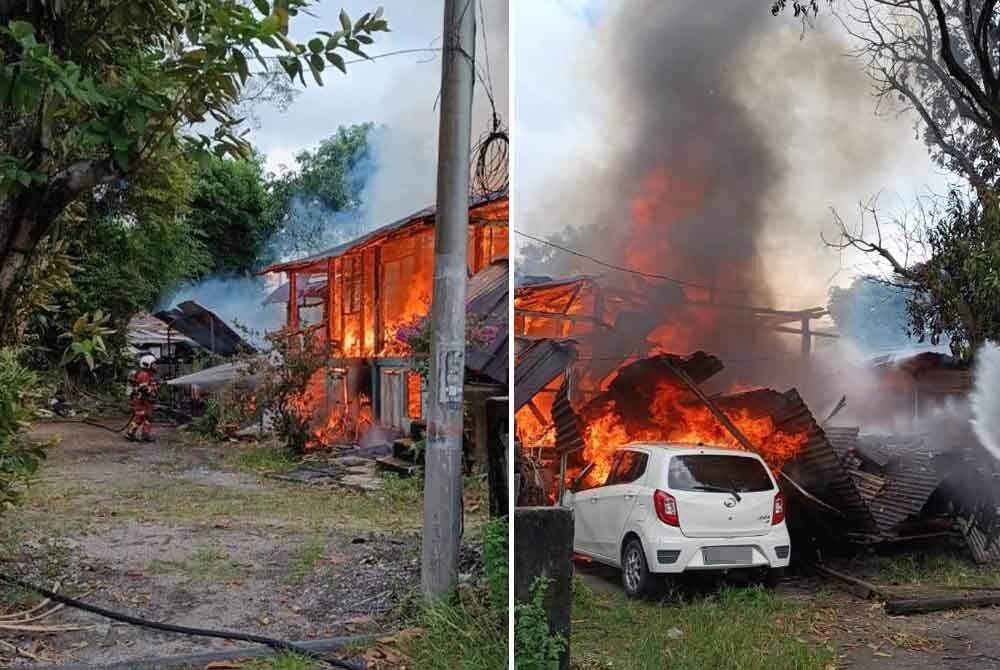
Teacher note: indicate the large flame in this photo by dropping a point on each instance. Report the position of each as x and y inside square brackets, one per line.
[676, 416]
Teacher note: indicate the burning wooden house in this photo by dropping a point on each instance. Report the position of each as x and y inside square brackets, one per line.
[357, 296]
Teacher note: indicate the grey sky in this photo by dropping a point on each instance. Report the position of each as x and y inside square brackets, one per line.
[398, 91]
[814, 102]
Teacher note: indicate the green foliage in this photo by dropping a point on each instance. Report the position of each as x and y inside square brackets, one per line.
[228, 208]
[86, 341]
[416, 335]
[957, 286]
[536, 647]
[19, 460]
[221, 417]
[495, 561]
[469, 632]
[37, 307]
[128, 82]
[871, 313]
[285, 378]
[124, 251]
[323, 182]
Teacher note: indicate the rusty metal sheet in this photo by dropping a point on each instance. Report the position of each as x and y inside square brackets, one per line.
[911, 478]
[489, 207]
[538, 364]
[487, 298]
[568, 438]
[982, 548]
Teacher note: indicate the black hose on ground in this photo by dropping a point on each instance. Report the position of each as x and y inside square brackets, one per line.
[277, 645]
[91, 423]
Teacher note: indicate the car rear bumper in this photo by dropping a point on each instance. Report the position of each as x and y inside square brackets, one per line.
[674, 554]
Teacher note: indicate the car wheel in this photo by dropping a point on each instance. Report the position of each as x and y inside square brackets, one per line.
[773, 577]
[637, 580]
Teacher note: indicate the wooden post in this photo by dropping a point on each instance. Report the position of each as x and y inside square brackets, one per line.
[293, 302]
[806, 337]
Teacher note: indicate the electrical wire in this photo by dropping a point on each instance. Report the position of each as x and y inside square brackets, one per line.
[273, 643]
[652, 275]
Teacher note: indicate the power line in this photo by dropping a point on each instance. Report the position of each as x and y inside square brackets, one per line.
[651, 275]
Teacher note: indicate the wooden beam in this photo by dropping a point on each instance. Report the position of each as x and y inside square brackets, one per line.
[558, 316]
[293, 302]
[796, 331]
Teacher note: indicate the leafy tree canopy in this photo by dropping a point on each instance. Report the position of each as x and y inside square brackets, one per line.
[872, 313]
[324, 182]
[97, 91]
[230, 201]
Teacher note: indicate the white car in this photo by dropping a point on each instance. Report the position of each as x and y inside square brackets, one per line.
[670, 508]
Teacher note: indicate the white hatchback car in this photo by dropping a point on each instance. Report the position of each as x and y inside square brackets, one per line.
[669, 508]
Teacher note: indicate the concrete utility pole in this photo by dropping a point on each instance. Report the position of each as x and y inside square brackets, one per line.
[443, 457]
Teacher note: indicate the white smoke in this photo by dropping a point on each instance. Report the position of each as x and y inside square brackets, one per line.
[985, 398]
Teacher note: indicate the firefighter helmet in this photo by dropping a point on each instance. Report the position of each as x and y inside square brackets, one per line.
[147, 361]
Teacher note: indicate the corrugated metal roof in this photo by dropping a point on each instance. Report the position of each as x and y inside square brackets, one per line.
[145, 329]
[568, 438]
[819, 469]
[424, 216]
[843, 439]
[487, 298]
[910, 474]
[205, 328]
[983, 549]
[537, 365]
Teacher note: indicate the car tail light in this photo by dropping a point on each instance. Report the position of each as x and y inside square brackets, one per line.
[666, 508]
[778, 513]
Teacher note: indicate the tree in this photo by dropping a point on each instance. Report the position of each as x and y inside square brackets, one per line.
[98, 91]
[326, 182]
[229, 210]
[940, 58]
[135, 240]
[872, 313]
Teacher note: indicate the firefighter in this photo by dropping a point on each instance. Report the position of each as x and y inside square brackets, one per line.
[140, 426]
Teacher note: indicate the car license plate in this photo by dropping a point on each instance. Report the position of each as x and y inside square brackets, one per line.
[727, 555]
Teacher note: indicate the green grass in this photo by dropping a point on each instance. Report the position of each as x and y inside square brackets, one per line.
[210, 562]
[732, 629]
[283, 661]
[925, 570]
[468, 632]
[261, 459]
[304, 561]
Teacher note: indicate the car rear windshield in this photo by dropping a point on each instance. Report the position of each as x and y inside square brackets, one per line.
[715, 472]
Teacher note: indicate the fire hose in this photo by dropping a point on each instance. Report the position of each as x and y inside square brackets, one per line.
[94, 423]
[273, 643]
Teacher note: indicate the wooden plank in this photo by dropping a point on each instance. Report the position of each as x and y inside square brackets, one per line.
[924, 605]
[858, 587]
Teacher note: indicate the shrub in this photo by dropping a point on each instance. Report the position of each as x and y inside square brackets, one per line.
[536, 647]
[19, 459]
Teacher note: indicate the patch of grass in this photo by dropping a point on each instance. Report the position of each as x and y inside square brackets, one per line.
[261, 459]
[210, 562]
[733, 629]
[304, 561]
[457, 636]
[469, 632]
[925, 570]
[283, 661]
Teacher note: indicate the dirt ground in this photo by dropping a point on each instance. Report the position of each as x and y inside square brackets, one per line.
[175, 531]
[863, 636]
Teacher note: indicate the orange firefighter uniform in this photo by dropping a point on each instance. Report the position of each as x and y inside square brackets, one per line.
[140, 427]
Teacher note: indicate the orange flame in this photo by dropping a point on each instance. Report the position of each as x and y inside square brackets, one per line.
[677, 416]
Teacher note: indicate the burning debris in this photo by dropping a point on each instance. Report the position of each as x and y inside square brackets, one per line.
[358, 303]
[844, 487]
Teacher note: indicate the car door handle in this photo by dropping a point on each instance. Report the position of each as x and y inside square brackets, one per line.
[593, 501]
[630, 494]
